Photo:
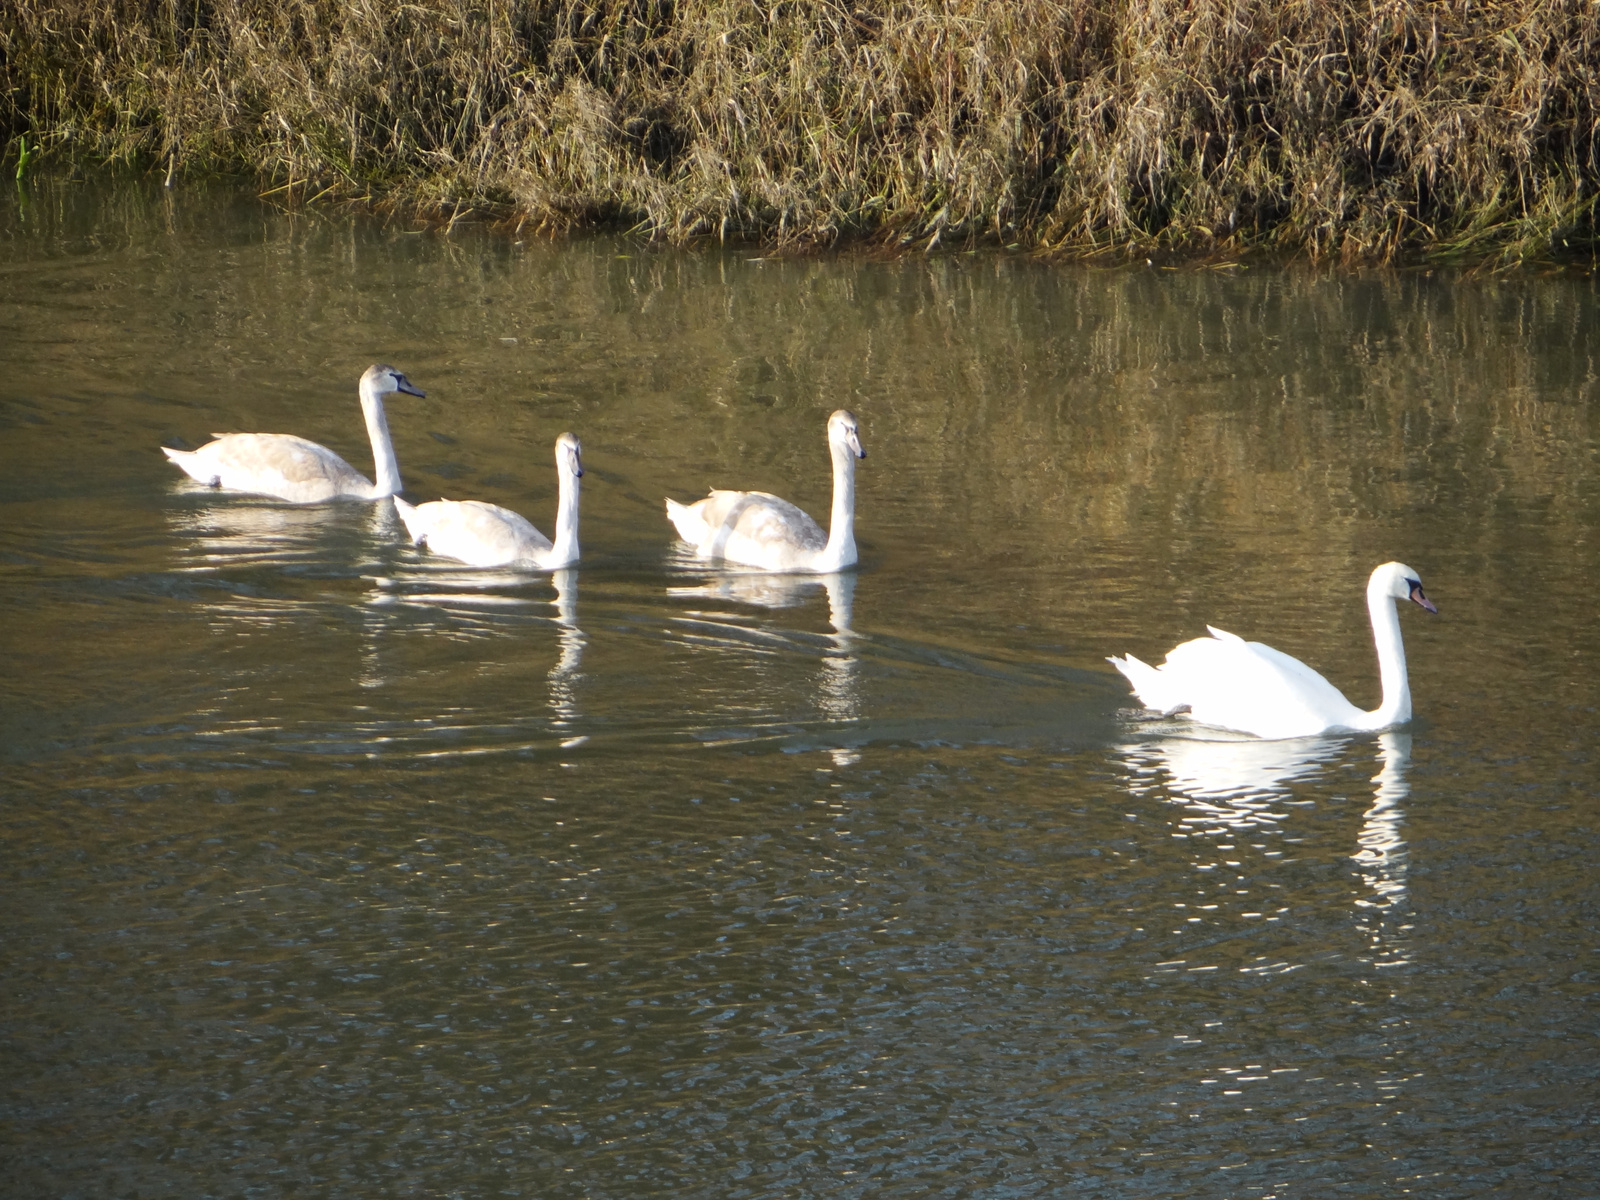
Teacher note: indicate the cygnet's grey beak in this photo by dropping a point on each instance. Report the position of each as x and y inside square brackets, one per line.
[855, 444]
[405, 385]
[1418, 598]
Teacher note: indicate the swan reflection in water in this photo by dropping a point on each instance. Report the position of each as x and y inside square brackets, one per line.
[838, 692]
[1381, 858]
[1228, 782]
[1241, 785]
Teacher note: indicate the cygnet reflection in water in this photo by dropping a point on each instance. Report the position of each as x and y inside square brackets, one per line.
[259, 556]
[480, 605]
[240, 531]
[766, 590]
[565, 674]
[838, 692]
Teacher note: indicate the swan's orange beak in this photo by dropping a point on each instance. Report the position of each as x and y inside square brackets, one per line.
[1418, 598]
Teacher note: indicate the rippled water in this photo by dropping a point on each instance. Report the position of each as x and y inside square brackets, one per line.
[334, 869]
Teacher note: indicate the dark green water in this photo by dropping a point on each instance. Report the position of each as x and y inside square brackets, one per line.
[332, 870]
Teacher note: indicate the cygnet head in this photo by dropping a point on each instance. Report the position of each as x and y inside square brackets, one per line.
[1401, 583]
[842, 431]
[569, 455]
[382, 379]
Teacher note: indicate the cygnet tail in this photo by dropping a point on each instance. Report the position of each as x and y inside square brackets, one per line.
[686, 519]
[190, 463]
[415, 522]
[1153, 688]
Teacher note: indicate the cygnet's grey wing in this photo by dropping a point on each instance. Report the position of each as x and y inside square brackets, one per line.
[478, 532]
[763, 519]
[281, 464]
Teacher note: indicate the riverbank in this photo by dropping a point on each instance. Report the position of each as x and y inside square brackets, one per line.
[1372, 132]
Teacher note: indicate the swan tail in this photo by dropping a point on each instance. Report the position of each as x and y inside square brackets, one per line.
[1154, 689]
[1222, 635]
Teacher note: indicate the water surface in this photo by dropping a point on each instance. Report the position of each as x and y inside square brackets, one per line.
[333, 868]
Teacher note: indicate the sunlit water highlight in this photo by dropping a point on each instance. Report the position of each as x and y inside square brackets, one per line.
[334, 867]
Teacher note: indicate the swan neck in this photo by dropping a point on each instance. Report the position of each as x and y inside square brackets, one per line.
[385, 468]
[841, 551]
[564, 546]
[1396, 705]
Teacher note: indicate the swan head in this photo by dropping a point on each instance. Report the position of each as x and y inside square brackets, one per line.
[569, 455]
[842, 431]
[381, 379]
[1399, 582]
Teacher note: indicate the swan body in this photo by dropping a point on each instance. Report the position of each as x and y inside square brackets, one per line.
[294, 469]
[758, 529]
[1226, 681]
[486, 535]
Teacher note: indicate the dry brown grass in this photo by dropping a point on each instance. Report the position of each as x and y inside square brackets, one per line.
[1368, 131]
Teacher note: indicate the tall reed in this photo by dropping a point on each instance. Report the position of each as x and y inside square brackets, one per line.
[1365, 130]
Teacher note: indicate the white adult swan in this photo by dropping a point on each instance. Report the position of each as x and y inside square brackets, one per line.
[757, 529]
[302, 472]
[1226, 681]
[486, 535]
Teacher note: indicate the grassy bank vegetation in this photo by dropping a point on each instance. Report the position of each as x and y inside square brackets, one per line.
[1364, 130]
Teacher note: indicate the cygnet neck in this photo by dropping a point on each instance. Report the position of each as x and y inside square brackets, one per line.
[385, 468]
[564, 546]
[841, 548]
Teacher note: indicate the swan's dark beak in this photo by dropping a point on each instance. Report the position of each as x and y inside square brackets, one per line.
[1418, 598]
[405, 385]
[855, 444]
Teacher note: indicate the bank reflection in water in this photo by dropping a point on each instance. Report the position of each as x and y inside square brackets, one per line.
[838, 695]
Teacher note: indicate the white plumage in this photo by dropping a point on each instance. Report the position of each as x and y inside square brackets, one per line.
[758, 529]
[294, 469]
[486, 535]
[1225, 681]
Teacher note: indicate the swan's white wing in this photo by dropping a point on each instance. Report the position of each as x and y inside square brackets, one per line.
[477, 533]
[1287, 665]
[1226, 681]
[273, 464]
